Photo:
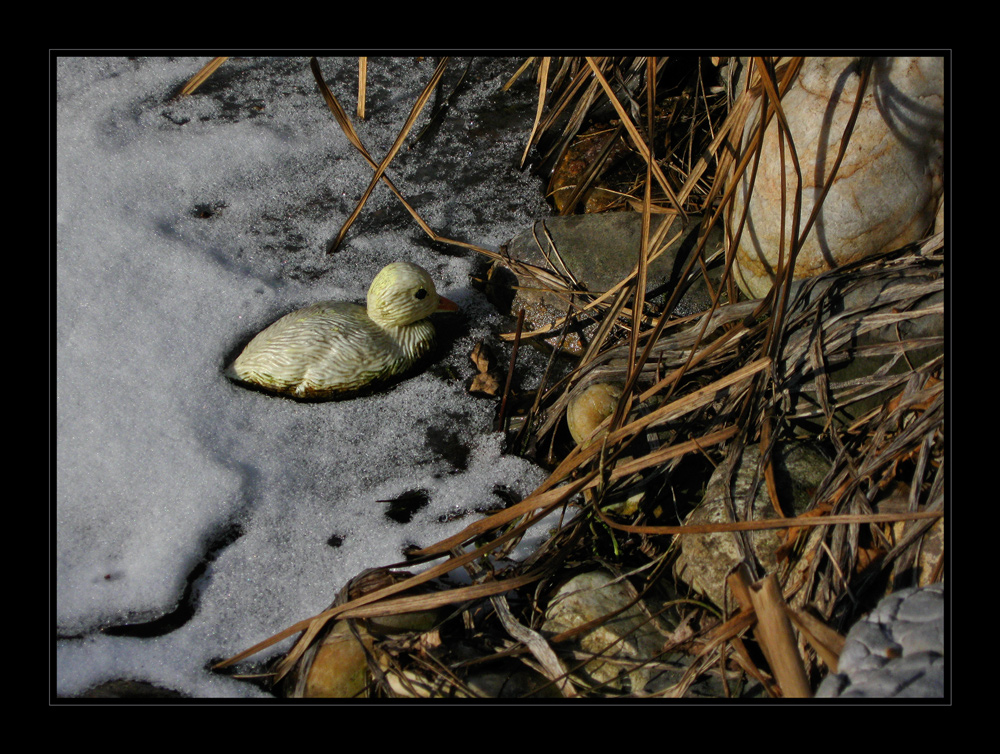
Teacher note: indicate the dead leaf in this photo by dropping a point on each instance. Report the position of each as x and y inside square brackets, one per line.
[482, 357]
[485, 384]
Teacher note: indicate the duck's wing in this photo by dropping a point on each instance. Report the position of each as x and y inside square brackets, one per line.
[321, 350]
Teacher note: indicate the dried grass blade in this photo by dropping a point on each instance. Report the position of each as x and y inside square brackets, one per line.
[777, 639]
[542, 87]
[769, 478]
[739, 585]
[779, 523]
[617, 307]
[362, 85]
[701, 397]
[639, 142]
[202, 76]
[502, 421]
[576, 117]
[647, 200]
[625, 469]
[312, 626]
[540, 503]
[733, 123]
[798, 235]
[606, 327]
[696, 257]
[517, 74]
[729, 340]
[407, 126]
[537, 645]
[418, 602]
[827, 642]
[585, 180]
[736, 625]
[578, 456]
[352, 136]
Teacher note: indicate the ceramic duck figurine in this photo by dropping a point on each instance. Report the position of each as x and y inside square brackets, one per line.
[332, 348]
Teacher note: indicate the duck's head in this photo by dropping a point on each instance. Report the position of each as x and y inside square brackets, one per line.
[403, 293]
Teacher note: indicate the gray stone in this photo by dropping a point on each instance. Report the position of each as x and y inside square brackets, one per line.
[597, 252]
[706, 560]
[897, 651]
[621, 642]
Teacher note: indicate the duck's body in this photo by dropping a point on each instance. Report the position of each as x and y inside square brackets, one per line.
[332, 349]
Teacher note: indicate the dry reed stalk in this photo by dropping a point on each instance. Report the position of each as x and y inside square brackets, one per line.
[585, 180]
[583, 102]
[362, 85]
[637, 140]
[804, 521]
[827, 642]
[711, 642]
[739, 585]
[352, 136]
[777, 640]
[528, 62]
[415, 111]
[533, 509]
[502, 420]
[543, 79]
[201, 77]
[640, 279]
[349, 131]
[364, 607]
[671, 411]
[538, 646]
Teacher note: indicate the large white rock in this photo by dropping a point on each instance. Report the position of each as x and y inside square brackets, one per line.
[888, 189]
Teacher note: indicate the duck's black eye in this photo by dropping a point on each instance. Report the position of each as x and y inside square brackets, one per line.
[421, 293]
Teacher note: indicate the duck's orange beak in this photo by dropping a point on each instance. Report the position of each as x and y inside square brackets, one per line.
[446, 305]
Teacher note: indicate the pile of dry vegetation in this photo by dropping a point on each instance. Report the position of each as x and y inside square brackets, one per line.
[661, 136]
